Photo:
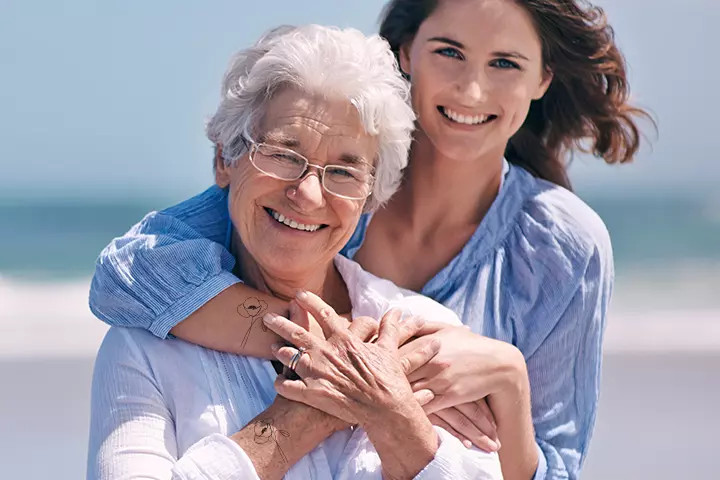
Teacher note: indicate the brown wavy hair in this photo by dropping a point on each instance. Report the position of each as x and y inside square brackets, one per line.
[586, 107]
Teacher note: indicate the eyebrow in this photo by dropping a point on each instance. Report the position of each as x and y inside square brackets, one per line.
[447, 40]
[354, 160]
[280, 139]
[287, 141]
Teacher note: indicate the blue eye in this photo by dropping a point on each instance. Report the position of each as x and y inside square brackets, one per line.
[504, 64]
[449, 52]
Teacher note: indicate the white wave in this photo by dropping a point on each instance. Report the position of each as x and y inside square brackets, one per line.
[42, 320]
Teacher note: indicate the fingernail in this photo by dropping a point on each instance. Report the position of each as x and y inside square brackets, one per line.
[497, 443]
[269, 318]
[301, 295]
[275, 347]
[467, 443]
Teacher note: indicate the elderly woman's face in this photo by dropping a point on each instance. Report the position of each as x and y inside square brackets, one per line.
[325, 132]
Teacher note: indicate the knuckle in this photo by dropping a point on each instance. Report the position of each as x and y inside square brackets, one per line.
[298, 336]
[406, 364]
[442, 365]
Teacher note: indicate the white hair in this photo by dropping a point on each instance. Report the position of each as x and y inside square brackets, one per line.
[324, 61]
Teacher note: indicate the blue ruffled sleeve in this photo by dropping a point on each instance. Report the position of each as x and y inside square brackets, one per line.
[559, 320]
[566, 374]
[166, 267]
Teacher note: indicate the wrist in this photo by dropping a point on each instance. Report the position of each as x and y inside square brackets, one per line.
[513, 378]
[309, 419]
[412, 430]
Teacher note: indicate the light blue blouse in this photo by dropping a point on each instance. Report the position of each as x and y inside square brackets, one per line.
[537, 273]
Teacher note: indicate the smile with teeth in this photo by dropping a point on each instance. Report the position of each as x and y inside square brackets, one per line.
[292, 223]
[465, 119]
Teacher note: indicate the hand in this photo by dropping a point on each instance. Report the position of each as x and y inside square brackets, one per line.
[303, 318]
[467, 368]
[357, 382]
[366, 329]
[472, 423]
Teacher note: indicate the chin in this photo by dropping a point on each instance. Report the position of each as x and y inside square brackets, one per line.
[288, 261]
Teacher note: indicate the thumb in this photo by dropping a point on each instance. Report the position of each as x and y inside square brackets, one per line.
[424, 396]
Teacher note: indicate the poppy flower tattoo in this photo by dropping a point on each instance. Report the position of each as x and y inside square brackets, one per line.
[252, 308]
[266, 432]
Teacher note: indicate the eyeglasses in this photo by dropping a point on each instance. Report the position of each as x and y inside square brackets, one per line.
[285, 164]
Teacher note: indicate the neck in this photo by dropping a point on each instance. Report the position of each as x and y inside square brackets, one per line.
[326, 283]
[440, 193]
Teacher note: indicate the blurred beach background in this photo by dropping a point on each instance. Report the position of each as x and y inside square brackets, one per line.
[102, 108]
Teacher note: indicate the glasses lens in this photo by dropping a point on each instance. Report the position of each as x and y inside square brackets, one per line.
[278, 162]
[347, 181]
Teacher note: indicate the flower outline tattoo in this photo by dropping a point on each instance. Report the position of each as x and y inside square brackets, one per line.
[265, 432]
[252, 308]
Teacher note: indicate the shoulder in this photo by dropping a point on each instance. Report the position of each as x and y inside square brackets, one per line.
[212, 201]
[139, 350]
[561, 225]
[202, 216]
[358, 236]
[556, 245]
[123, 346]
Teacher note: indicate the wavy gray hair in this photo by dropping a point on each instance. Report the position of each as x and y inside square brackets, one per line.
[326, 61]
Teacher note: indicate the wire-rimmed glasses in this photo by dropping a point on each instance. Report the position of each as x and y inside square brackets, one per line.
[286, 164]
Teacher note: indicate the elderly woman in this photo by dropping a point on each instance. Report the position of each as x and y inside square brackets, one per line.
[313, 129]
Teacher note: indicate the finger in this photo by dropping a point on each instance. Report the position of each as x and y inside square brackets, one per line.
[408, 326]
[389, 330]
[284, 354]
[324, 314]
[484, 422]
[467, 429]
[485, 409]
[295, 390]
[429, 328]
[420, 356]
[440, 402]
[364, 328]
[423, 396]
[290, 332]
[414, 343]
[299, 316]
[435, 420]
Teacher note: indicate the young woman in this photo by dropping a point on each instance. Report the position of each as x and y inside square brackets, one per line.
[483, 222]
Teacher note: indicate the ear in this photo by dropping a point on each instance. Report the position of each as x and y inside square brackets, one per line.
[404, 58]
[546, 80]
[222, 174]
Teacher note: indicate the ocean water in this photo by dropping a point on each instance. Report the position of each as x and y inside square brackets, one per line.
[662, 244]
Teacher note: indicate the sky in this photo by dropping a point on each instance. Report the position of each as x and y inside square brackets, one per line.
[108, 99]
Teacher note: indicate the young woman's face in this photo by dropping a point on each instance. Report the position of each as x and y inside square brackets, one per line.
[475, 67]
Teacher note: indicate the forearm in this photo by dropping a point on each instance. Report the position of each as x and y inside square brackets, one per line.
[511, 408]
[414, 432]
[232, 322]
[284, 433]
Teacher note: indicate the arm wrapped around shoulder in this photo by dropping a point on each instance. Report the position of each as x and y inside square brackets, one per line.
[165, 267]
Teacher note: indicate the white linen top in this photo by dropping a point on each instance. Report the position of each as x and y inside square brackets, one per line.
[163, 409]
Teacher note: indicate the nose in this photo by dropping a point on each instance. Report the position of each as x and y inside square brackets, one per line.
[307, 193]
[472, 86]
